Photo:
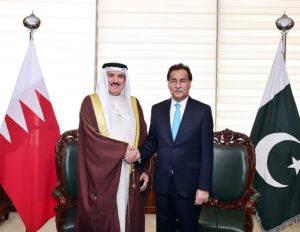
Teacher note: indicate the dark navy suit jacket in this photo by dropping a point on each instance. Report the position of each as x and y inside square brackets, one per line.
[190, 156]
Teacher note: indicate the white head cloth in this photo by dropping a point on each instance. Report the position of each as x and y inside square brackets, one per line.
[103, 93]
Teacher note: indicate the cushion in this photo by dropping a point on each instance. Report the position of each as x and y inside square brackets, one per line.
[230, 172]
[69, 225]
[228, 220]
[70, 169]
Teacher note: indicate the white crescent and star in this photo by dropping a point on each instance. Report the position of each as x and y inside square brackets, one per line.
[263, 149]
[296, 165]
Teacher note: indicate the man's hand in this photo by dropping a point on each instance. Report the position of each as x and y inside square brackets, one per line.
[132, 154]
[201, 197]
[145, 178]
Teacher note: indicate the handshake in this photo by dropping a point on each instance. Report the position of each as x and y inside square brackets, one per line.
[132, 154]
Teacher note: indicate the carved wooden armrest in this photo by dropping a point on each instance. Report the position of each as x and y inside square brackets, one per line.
[211, 202]
[60, 209]
[250, 206]
[60, 198]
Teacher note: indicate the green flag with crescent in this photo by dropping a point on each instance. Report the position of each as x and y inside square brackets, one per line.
[276, 137]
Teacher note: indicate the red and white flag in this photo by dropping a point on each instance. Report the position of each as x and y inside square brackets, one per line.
[27, 146]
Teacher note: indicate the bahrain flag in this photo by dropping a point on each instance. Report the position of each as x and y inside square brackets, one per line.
[27, 146]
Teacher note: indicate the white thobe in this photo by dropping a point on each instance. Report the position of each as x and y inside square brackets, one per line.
[122, 127]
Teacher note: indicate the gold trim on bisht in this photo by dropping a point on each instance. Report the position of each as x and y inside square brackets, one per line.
[99, 114]
[137, 133]
[137, 119]
[103, 127]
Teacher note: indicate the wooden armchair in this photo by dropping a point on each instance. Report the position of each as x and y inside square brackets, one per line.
[65, 191]
[232, 195]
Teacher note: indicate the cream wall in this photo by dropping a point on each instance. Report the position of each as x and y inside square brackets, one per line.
[230, 73]
[65, 48]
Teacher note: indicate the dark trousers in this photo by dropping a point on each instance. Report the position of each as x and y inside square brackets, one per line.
[172, 206]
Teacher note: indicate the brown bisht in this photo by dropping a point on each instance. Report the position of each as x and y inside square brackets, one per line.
[99, 168]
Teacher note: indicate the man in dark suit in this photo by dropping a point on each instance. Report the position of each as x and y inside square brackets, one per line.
[181, 132]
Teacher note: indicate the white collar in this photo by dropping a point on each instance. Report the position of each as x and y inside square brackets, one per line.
[182, 103]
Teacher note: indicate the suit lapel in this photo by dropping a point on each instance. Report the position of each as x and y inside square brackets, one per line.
[166, 119]
[187, 115]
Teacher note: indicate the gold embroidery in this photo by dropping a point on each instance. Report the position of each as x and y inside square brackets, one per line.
[99, 114]
[89, 126]
[136, 143]
[137, 134]
[137, 119]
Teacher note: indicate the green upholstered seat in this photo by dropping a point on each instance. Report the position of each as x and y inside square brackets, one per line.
[69, 225]
[65, 192]
[228, 220]
[232, 196]
[230, 171]
[70, 169]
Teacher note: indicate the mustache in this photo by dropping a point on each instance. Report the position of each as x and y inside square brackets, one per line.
[178, 89]
[115, 84]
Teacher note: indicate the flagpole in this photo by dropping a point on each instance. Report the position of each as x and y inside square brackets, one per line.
[284, 24]
[96, 46]
[32, 23]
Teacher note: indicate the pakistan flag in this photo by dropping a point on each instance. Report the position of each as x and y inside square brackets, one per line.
[276, 137]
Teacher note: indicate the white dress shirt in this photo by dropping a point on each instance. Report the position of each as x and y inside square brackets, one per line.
[173, 109]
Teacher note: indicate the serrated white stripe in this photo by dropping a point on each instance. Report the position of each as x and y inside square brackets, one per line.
[16, 113]
[4, 131]
[41, 88]
[29, 98]
[30, 79]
